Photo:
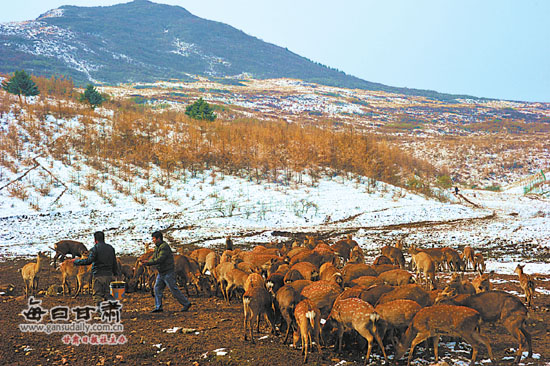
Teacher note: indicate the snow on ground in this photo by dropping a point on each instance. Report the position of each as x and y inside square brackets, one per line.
[202, 210]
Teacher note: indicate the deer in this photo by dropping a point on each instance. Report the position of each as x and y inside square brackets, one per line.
[308, 319]
[274, 282]
[356, 314]
[461, 285]
[236, 280]
[437, 320]
[220, 274]
[200, 256]
[355, 270]
[188, 270]
[398, 315]
[407, 292]
[212, 261]
[68, 270]
[285, 302]
[257, 301]
[381, 259]
[493, 306]
[424, 263]
[468, 257]
[64, 247]
[323, 295]
[527, 285]
[356, 255]
[479, 263]
[308, 270]
[453, 260]
[31, 273]
[395, 254]
[395, 277]
[482, 282]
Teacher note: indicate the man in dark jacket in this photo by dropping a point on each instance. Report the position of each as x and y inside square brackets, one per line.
[104, 267]
[163, 259]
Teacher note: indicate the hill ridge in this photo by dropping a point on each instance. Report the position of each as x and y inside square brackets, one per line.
[142, 41]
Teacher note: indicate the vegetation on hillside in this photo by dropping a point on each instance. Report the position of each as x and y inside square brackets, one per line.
[139, 136]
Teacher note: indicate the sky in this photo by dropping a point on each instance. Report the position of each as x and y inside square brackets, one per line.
[490, 48]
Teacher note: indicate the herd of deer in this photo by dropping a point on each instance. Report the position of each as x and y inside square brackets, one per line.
[315, 290]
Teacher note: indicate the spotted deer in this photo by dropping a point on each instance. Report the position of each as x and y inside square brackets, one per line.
[437, 320]
[308, 318]
[494, 306]
[356, 314]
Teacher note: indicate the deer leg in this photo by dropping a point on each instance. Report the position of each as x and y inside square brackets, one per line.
[478, 337]
[420, 337]
[369, 338]
[288, 326]
[436, 348]
[305, 343]
[244, 324]
[340, 336]
[379, 341]
[78, 286]
[519, 337]
[528, 339]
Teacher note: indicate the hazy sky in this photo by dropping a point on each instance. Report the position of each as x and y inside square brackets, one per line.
[486, 48]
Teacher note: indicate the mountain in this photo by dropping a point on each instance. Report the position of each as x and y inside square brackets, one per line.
[145, 41]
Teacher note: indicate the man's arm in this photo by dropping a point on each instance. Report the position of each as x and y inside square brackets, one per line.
[163, 255]
[86, 261]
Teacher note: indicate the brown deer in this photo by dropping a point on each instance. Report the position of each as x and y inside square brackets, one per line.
[453, 260]
[355, 270]
[64, 247]
[285, 302]
[437, 320]
[322, 294]
[308, 319]
[493, 306]
[460, 285]
[69, 270]
[527, 285]
[468, 256]
[308, 270]
[407, 292]
[395, 277]
[354, 313]
[479, 263]
[236, 280]
[425, 264]
[31, 273]
[482, 282]
[274, 282]
[187, 270]
[398, 315]
[395, 254]
[257, 301]
[200, 256]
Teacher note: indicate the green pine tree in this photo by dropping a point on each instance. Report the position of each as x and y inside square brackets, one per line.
[20, 84]
[92, 97]
[200, 110]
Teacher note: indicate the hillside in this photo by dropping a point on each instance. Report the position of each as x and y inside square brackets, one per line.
[139, 164]
[144, 41]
